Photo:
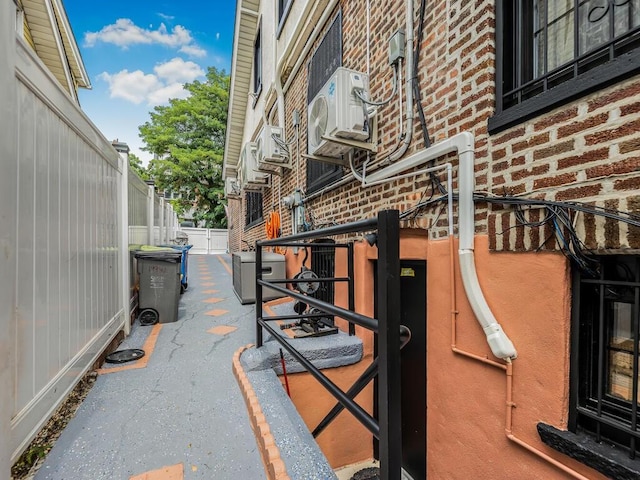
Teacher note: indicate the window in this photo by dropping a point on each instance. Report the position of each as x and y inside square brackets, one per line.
[253, 208]
[283, 12]
[326, 59]
[605, 353]
[551, 51]
[257, 63]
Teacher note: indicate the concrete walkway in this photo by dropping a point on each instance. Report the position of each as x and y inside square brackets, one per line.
[177, 412]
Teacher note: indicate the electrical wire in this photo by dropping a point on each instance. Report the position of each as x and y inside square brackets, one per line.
[362, 96]
[283, 144]
[561, 217]
[416, 85]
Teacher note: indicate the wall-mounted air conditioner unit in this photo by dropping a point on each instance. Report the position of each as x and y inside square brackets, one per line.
[248, 175]
[231, 187]
[272, 153]
[336, 111]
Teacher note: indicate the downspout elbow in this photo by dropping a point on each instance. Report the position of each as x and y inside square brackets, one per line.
[499, 343]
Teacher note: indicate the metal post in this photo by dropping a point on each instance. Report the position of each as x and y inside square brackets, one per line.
[389, 345]
[150, 216]
[351, 285]
[258, 295]
[161, 235]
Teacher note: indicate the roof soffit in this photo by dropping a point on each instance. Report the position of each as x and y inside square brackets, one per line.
[247, 12]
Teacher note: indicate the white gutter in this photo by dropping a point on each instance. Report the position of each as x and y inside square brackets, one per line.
[463, 144]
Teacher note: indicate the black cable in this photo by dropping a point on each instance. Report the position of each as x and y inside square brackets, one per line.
[558, 215]
[414, 81]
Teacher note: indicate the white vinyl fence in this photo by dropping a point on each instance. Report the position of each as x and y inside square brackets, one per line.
[207, 240]
[69, 210]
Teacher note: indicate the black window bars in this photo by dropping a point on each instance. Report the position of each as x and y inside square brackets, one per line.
[391, 335]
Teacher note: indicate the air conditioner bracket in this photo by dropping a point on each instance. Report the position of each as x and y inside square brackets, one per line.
[343, 162]
[369, 146]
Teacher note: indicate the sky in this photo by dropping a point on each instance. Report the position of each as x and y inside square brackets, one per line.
[139, 54]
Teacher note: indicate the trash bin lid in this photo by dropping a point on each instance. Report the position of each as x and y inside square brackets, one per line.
[182, 248]
[166, 255]
[122, 356]
[154, 248]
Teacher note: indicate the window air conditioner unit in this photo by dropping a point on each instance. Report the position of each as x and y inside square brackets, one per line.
[336, 111]
[231, 187]
[270, 154]
[248, 175]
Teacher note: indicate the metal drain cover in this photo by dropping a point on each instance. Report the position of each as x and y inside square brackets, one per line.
[122, 356]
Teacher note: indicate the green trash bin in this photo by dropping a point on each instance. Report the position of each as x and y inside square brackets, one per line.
[159, 290]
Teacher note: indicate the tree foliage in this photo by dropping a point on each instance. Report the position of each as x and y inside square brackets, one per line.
[187, 140]
[136, 164]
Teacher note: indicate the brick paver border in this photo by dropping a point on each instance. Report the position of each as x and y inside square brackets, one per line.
[270, 453]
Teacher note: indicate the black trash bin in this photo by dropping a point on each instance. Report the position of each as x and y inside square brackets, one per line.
[159, 292]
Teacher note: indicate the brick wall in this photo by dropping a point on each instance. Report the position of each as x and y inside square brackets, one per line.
[235, 226]
[586, 150]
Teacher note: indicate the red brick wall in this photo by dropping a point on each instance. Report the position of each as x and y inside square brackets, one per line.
[586, 150]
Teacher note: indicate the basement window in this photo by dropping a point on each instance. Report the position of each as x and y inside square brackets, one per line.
[549, 52]
[605, 362]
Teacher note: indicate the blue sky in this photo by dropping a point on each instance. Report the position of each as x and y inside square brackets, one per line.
[139, 53]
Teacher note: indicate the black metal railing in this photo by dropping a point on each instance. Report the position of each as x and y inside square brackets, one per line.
[391, 335]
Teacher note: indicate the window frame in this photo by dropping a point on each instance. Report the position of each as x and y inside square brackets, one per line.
[510, 32]
[284, 7]
[253, 208]
[257, 64]
[604, 417]
[321, 174]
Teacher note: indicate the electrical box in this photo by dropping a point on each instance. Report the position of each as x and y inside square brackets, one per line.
[396, 47]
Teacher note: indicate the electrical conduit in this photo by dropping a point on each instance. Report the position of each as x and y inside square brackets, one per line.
[408, 63]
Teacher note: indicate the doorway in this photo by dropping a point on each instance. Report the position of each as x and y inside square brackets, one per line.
[413, 314]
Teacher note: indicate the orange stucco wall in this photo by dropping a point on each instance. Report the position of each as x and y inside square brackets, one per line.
[466, 399]
[345, 440]
[466, 409]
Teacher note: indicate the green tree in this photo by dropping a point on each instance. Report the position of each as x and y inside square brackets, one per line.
[186, 138]
[136, 164]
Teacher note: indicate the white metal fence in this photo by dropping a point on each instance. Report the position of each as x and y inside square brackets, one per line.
[70, 209]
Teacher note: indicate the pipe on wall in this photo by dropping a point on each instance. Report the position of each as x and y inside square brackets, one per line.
[462, 143]
[408, 130]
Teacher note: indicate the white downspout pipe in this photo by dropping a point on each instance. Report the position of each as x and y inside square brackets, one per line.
[277, 82]
[463, 144]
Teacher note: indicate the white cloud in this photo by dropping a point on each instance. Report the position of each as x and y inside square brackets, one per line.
[125, 33]
[166, 17]
[132, 86]
[177, 70]
[162, 95]
[154, 89]
[193, 51]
